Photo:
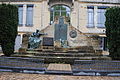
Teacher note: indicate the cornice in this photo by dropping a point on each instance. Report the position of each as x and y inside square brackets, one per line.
[21, 0]
[100, 1]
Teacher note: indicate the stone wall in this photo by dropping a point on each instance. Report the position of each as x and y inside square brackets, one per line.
[41, 15]
[49, 30]
[95, 42]
[41, 19]
[79, 16]
[79, 40]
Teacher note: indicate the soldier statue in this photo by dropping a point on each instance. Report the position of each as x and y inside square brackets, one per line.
[35, 39]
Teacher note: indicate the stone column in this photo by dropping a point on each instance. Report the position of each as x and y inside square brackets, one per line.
[45, 15]
[21, 38]
[95, 16]
[24, 14]
[74, 15]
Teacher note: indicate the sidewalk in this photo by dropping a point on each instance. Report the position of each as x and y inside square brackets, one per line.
[21, 76]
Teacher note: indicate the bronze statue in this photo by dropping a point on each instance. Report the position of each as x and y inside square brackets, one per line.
[35, 39]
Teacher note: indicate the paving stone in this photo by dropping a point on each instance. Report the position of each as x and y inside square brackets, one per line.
[59, 67]
[20, 76]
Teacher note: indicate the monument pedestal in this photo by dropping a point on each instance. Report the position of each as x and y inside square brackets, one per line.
[57, 44]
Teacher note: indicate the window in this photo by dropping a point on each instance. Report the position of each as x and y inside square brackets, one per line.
[29, 15]
[101, 17]
[90, 16]
[59, 10]
[20, 14]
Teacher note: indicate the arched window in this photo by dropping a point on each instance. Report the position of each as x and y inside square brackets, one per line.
[59, 10]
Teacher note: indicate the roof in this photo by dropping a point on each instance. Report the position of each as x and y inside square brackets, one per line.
[101, 1]
[20, 0]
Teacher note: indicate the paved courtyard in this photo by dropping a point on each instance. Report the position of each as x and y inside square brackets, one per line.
[21, 76]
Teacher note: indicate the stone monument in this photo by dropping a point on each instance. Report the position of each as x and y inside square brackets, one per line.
[61, 33]
[61, 30]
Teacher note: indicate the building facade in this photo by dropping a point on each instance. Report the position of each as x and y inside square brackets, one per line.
[85, 20]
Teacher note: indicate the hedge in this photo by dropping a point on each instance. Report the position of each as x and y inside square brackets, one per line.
[113, 31]
[8, 27]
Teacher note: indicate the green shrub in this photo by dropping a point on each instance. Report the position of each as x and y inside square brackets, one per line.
[8, 48]
[8, 27]
[113, 31]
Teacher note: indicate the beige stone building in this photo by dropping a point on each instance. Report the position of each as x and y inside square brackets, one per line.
[84, 20]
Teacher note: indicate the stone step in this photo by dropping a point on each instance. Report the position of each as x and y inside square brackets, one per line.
[58, 54]
[80, 49]
[70, 60]
[66, 51]
[59, 69]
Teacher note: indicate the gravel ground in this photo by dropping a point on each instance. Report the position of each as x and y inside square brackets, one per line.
[21, 76]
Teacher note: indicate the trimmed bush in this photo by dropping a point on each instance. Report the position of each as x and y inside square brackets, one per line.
[113, 31]
[8, 27]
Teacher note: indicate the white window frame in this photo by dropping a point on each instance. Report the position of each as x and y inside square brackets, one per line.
[101, 16]
[20, 15]
[29, 17]
[90, 19]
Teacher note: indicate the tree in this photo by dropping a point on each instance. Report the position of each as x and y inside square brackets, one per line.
[8, 27]
[113, 31]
